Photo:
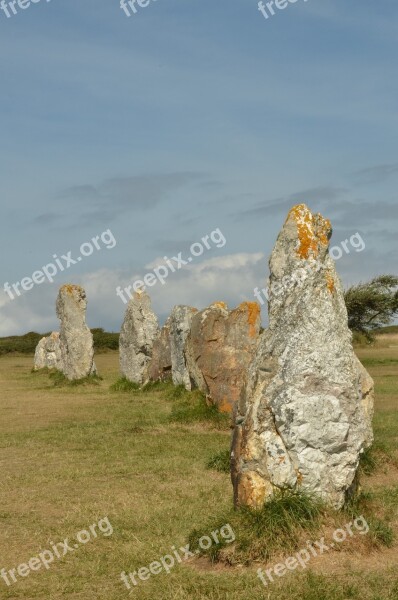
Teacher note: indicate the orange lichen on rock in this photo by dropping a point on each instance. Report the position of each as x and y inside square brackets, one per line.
[252, 490]
[330, 283]
[253, 312]
[225, 406]
[312, 230]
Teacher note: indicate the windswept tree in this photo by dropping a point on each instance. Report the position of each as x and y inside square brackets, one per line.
[372, 305]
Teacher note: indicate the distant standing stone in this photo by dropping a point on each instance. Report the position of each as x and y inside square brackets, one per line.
[76, 340]
[220, 346]
[40, 359]
[138, 334]
[48, 353]
[160, 366]
[180, 325]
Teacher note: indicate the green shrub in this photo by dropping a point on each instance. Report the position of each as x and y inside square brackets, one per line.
[103, 340]
[26, 344]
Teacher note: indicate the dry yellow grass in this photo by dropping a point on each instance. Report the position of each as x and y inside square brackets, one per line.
[71, 456]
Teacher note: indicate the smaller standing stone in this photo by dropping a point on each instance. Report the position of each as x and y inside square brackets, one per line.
[53, 348]
[139, 331]
[180, 325]
[40, 360]
[160, 366]
[220, 346]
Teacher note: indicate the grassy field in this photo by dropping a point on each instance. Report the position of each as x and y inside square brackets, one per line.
[71, 456]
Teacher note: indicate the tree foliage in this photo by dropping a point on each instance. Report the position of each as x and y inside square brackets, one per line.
[372, 305]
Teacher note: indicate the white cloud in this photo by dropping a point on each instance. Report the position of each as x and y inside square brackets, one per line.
[231, 278]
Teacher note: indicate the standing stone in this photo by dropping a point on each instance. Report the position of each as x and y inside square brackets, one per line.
[139, 331]
[180, 325]
[305, 416]
[48, 353]
[160, 366]
[76, 340]
[53, 349]
[220, 347]
[40, 359]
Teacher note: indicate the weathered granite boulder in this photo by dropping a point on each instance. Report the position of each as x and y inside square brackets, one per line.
[305, 416]
[139, 331]
[219, 349]
[159, 368]
[180, 325]
[75, 338]
[48, 352]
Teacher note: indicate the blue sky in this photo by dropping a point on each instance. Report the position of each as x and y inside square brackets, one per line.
[187, 117]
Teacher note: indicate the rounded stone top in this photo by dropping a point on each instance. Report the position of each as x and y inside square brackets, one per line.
[71, 288]
[219, 304]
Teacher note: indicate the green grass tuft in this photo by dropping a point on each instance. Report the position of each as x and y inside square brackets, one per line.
[376, 457]
[124, 385]
[220, 462]
[261, 534]
[158, 386]
[59, 380]
[368, 462]
[380, 532]
[193, 407]
[177, 392]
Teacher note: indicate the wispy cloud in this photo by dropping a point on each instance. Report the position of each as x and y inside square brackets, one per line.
[323, 195]
[376, 174]
[107, 200]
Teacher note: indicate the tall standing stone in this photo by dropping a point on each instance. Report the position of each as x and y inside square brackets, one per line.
[305, 416]
[76, 340]
[180, 325]
[220, 347]
[139, 331]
